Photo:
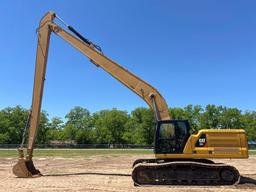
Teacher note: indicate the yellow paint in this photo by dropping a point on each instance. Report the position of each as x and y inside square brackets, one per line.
[224, 143]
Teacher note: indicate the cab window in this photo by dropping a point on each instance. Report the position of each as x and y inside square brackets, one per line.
[167, 131]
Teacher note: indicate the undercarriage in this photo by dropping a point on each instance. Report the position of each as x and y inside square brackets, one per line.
[183, 172]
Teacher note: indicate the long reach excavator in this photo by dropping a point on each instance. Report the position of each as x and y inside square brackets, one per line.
[181, 158]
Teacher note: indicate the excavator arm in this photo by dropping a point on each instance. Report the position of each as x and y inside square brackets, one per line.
[25, 166]
[148, 93]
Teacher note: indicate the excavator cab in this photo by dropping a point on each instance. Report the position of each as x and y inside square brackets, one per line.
[171, 136]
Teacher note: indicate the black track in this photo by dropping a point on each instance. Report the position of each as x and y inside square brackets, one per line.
[184, 173]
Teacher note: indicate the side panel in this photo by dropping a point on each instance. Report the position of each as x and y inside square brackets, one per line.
[214, 143]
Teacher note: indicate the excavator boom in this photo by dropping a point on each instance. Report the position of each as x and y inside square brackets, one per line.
[47, 25]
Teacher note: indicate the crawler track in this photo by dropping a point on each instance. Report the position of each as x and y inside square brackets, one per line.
[184, 173]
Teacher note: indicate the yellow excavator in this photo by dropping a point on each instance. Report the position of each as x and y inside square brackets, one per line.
[180, 157]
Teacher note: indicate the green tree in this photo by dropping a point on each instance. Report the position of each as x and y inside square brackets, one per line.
[56, 123]
[211, 118]
[70, 132]
[4, 138]
[12, 123]
[55, 131]
[191, 113]
[178, 113]
[142, 120]
[131, 127]
[116, 126]
[79, 125]
[249, 124]
[194, 115]
[110, 126]
[231, 118]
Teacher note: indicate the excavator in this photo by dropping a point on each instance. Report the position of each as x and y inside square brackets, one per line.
[181, 157]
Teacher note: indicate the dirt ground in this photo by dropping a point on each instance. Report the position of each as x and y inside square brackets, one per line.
[104, 173]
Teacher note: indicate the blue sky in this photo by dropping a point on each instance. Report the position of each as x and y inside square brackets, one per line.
[193, 52]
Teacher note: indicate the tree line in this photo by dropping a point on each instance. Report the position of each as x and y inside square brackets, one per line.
[118, 126]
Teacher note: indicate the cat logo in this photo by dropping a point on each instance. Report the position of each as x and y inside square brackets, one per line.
[201, 141]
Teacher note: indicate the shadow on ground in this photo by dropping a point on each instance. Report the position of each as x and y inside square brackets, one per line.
[248, 180]
[106, 174]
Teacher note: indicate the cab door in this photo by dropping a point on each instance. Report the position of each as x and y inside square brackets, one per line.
[171, 136]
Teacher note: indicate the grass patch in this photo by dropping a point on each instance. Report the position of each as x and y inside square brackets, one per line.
[77, 152]
[252, 152]
[82, 152]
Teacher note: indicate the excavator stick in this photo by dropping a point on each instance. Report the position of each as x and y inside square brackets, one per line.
[25, 167]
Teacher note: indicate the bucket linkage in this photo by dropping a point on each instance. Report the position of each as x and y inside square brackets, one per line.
[25, 166]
